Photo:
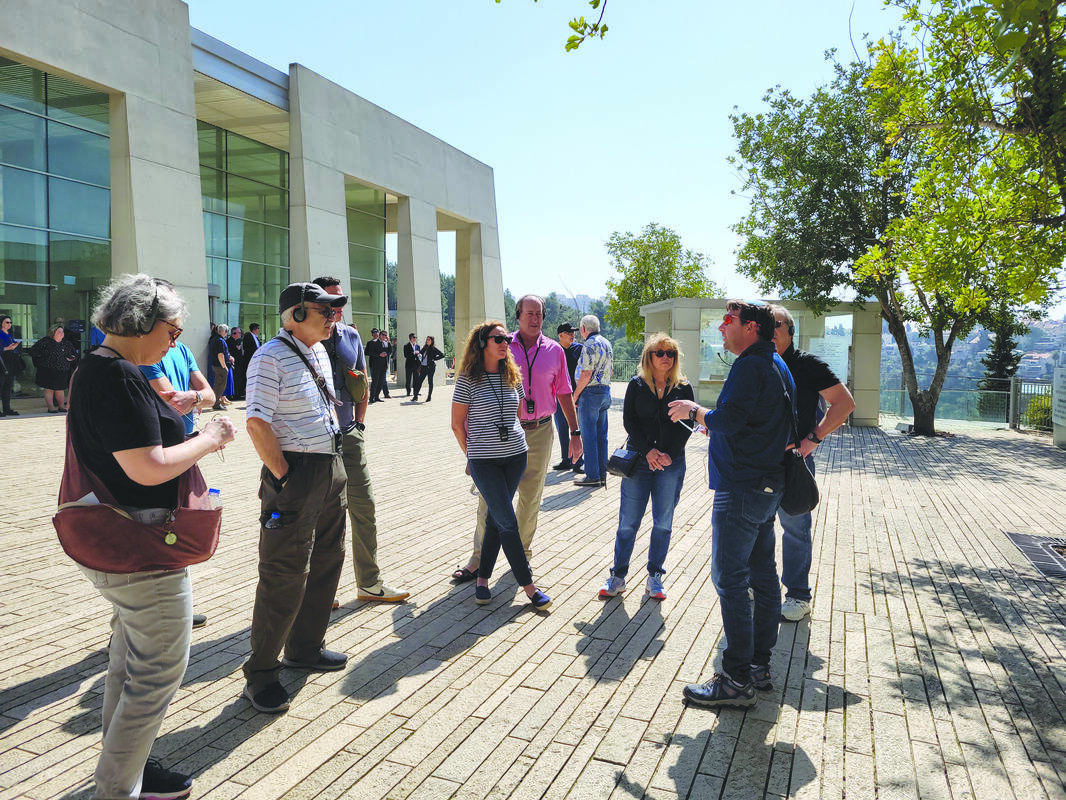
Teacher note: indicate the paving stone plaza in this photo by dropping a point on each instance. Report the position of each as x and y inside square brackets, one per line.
[934, 664]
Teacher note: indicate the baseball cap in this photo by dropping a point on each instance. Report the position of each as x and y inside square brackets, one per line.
[566, 327]
[296, 293]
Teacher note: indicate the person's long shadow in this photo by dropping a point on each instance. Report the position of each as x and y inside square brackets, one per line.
[429, 636]
[19, 701]
[613, 643]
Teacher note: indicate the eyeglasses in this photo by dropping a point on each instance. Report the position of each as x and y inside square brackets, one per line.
[173, 334]
[664, 353]
[499, 338]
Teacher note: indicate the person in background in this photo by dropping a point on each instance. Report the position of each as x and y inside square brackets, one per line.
[390, 351]
[377, 359]
[135, 443]
[10, 365]
[410, 361]
[249, 345]
[592, 397]
[660, 470]
[562, 428]
[235, 343]
[823, 404]
[219, 361]
[54, 359]
[485, 422]
[427, 360]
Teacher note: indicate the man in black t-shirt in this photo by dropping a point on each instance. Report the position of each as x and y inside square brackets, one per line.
[573, 349]
[823, 404]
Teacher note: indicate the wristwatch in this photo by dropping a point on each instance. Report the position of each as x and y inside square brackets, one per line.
[360, 426]
[814, 437]
[695, 412]
[199, 398]
[574, 433]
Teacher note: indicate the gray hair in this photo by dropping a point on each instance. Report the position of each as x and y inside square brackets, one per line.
[591, 323]
[222, 330]
[784, 312]
[130, 305]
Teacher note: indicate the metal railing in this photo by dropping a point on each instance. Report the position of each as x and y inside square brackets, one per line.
[1026, 405]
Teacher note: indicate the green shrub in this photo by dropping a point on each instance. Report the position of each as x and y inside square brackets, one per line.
[1038, 413]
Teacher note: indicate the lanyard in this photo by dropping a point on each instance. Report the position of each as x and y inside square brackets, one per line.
[529, 364]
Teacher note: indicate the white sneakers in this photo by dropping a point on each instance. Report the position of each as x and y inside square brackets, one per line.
[794, 610]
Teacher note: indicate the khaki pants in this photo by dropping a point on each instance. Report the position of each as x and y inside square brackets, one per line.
[530, 490]
[361, 511]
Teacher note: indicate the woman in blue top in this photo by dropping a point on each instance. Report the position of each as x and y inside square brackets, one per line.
[485, 423]
[660, 470]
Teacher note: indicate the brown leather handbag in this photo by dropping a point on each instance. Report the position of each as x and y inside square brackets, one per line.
[105, 537]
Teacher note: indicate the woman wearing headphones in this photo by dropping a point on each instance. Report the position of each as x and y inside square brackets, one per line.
[485, 423]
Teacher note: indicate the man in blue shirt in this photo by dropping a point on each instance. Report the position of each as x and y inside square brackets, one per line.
[178, 380]
[749, 430]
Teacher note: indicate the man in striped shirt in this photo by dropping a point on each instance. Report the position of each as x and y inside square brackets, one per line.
[292, 422]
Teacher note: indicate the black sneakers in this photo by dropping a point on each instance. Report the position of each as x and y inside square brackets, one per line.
[272, 699]
[327, 661]
[160, 783]
[721, 690]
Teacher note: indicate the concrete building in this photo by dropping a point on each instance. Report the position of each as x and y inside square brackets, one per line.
[847, 337]
[131, 142]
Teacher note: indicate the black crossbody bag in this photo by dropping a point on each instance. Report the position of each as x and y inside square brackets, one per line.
[801, 489]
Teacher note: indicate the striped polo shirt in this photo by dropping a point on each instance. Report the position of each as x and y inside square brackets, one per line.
[282, 393]
[491, 404]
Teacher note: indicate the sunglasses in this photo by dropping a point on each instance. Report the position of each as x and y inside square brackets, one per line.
[727, 318]
[173, 334]
[329, 312]
[499, 338]
[664, 353]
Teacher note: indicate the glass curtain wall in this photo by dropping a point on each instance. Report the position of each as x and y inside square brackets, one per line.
[55, 201]
[245, 187]
[365, 208]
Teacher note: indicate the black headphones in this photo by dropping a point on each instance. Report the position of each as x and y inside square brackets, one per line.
[153, 312]
[299, 314]
[791, 329]
[483, 337]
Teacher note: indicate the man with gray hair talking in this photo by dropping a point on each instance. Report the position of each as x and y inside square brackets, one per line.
[592, 396]
[292, 421]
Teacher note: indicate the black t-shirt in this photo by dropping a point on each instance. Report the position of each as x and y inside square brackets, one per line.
[812, 375]
[215, 347]
[113, 408]
[573, 355]
[647, 418]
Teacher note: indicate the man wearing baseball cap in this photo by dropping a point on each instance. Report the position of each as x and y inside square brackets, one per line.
[292, 421]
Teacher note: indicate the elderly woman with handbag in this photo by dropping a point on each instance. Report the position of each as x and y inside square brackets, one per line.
[485, 423]
[127, 443]
[659, 472]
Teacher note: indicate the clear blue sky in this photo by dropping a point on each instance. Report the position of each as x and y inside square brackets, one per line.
[627, 130]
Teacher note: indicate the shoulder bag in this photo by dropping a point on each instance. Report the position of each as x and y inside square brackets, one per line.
[101, 535]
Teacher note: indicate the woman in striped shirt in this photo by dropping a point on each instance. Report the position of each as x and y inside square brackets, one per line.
[485, 422]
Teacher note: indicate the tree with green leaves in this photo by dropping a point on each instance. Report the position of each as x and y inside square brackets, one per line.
[583, 29]
[652, 267]
[1001, 361]
[845, 202]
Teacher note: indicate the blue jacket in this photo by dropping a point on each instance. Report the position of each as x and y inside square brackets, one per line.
[749, 427]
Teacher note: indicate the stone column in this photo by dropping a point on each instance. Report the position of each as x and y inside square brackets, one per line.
[866, 363]
[417, 275]
[478, 281]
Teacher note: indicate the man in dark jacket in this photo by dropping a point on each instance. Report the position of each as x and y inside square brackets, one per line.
[410, 361]
[377, 359]
[749, 430]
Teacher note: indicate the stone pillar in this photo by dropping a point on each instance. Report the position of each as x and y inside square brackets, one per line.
[478, 281]
[866, 362]
[417, 275]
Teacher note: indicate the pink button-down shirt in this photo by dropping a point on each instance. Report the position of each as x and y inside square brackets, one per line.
[548, 361]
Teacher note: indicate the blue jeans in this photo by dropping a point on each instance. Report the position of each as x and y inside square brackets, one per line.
[562, 428]
[664, 489]
[592, 419]
[497, 481]
[796, 550]
[742, 555]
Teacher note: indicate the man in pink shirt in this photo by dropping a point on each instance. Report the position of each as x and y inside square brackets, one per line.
[545, 381]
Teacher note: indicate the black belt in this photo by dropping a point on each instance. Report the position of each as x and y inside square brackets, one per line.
[530, 424]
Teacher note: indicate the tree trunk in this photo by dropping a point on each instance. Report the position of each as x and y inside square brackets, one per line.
[924, 414]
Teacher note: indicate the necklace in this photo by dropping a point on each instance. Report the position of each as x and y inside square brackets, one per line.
[112, 349]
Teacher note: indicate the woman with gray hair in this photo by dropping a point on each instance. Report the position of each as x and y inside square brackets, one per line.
[134, 443]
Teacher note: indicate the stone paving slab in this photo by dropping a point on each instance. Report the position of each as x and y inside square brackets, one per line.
[933, 664]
